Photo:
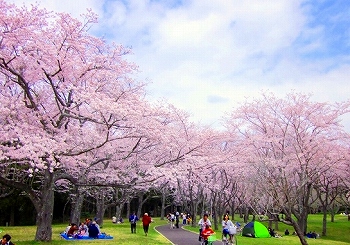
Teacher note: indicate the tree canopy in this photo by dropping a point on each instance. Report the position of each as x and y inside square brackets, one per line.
[74, 119]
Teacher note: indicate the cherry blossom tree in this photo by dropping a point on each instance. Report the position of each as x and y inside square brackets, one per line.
[284, 141]
[64, 93]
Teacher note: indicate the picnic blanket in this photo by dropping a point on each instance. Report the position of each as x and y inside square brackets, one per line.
[101, 236]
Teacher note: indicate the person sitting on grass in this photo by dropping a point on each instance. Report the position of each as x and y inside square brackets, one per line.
[207, 232]
[93, 230]
[72, 230]
[6, 240]
[83, 230]
[312, 235]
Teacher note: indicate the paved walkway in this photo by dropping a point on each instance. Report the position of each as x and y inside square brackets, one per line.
[179, 236]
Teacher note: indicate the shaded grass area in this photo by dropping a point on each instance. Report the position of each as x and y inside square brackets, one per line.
[338, 233]
[24, 235]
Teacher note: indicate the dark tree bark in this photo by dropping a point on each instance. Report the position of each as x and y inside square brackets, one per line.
[299, 232]
[76, 206]
[141, 202]
[100, 207]
[128, 211]
[246, 214]
[119, 209]
[44, 215]
[44, 203]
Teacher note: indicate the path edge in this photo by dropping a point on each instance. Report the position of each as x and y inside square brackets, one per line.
[154, 227]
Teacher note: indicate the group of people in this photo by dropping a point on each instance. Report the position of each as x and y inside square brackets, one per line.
[89, 228]
[174, 219]
[205, 231]
[117, 221]
[273, 233]
[146, 221]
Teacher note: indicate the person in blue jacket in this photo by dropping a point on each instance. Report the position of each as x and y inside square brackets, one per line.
[133, 219]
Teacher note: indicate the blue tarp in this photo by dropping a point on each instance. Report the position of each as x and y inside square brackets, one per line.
[102, 236]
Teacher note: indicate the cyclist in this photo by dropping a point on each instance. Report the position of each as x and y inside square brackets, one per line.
[228, 228]
[202, 224]
[207, 232]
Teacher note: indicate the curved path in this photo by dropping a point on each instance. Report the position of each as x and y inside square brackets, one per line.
[179, 236]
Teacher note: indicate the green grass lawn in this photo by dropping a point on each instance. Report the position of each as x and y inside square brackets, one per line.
[24, 235]
[338, 233]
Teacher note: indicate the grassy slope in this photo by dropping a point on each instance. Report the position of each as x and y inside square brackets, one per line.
[338, 233]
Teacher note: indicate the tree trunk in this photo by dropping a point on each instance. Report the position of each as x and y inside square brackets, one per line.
[215, 209]
[140, 202]
[128, 209]
[118, 211]
[334, 210]
[162, 210]
[302, 221]
[45, 210]
[232, 210]
[276, 225]
[324, 221]
[194, 214]
[76, 206]
[246, 214]
[241, 213]
[100, 208]
[299, 232]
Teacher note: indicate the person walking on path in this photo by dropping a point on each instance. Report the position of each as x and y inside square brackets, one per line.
[177, 217]
[133, 219]
[146, 220]
[184, 219]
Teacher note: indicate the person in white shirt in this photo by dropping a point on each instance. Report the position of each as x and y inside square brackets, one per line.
[184, 219]
[172, 220]
[228, 228]
[202, 224]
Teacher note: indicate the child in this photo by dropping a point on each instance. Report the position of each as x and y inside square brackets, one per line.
[208, 231]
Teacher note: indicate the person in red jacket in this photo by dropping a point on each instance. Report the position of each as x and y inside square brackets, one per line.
[207, 232]
[146, 220]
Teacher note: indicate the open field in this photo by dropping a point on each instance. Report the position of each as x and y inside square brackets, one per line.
[338, 234]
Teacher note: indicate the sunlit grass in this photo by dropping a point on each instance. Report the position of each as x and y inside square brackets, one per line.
[24, 235]
[338, 233]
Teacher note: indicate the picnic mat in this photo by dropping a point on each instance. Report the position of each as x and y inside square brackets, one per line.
[102, 236]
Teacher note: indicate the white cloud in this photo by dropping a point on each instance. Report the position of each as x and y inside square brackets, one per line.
[206, 49]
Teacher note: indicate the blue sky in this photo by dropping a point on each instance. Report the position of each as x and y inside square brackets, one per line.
[207, 56]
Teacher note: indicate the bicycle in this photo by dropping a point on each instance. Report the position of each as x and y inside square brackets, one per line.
[209, 241]
[226, 241]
